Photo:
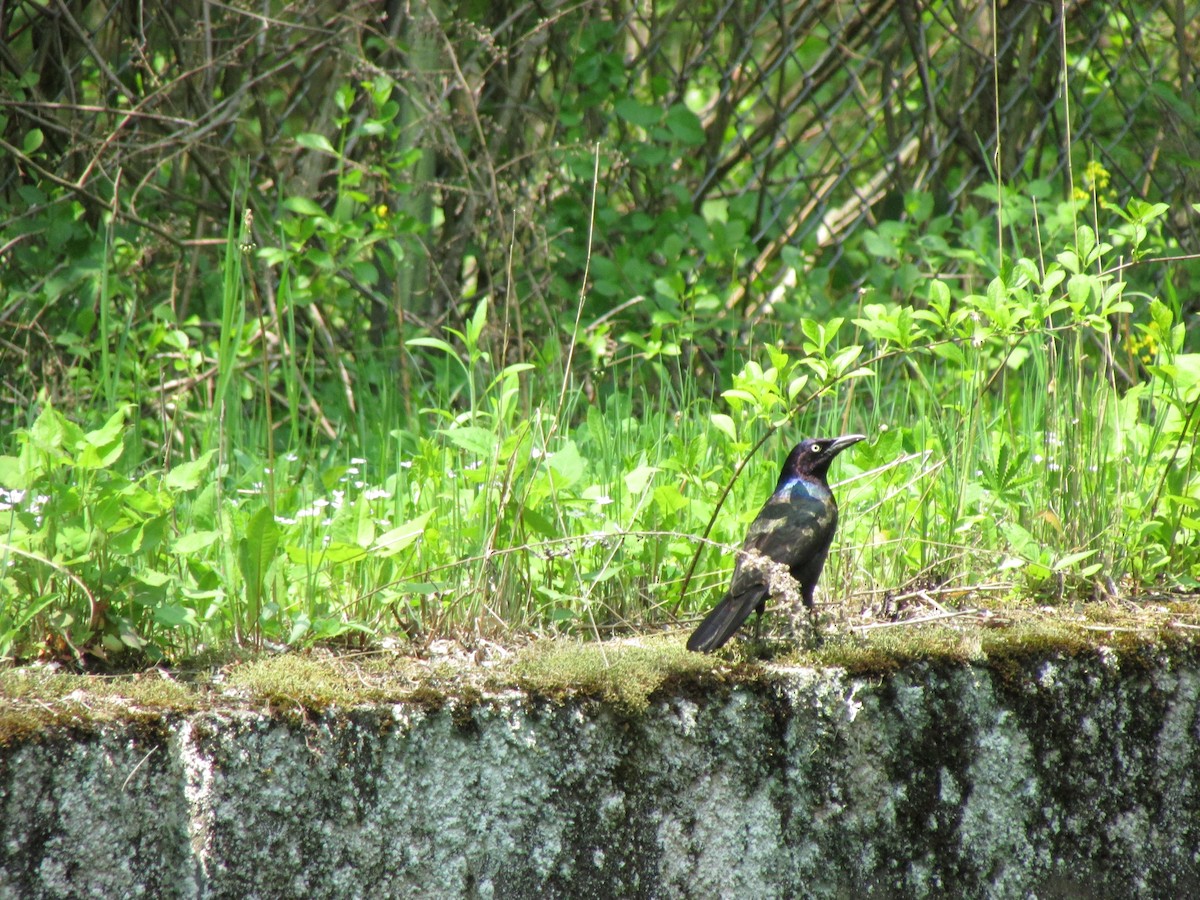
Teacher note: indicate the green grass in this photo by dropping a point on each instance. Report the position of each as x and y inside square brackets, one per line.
[1032, 432]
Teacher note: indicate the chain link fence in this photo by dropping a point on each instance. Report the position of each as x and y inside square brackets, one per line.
[817, 116]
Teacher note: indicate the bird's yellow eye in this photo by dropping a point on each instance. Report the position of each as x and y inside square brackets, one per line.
[816, 448]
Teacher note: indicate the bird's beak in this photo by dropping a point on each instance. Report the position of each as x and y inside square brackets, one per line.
[837, 445]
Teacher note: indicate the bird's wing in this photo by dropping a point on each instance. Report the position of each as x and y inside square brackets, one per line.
[725, 618]
[789, 530]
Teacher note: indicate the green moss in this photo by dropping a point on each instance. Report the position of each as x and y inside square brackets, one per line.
[35, 700]
[1036, 640]
[21, 724]
[23, 684]
[296, 682]
[1018, 641]
[884, 651]
[304, 683]
[623, 674]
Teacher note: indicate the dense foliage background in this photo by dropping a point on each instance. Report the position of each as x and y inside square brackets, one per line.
[338, 321]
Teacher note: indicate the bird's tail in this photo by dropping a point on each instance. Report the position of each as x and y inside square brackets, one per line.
[723, 620]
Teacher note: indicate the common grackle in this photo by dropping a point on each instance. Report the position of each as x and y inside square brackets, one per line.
[793, 531]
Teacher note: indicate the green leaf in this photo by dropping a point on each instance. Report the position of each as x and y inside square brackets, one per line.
[354, 524]
[724, 424]
[110, 431]
[187, 476]
[101, 448]
[1054, 277]
[340, 552]
[1069, 261]
[685, 125]
[795, 386]
[637, 480]
[1079, 289]
[401, 537]
[194, 542]
[478, 321]
[539, 523]
[318, 142]
[32, 140]
[153, 578]
[1071, 559]
[473, 439]
[637, 113]
[740, 395]
[878, 245]
[12, 473]
[130, 638]
[567, 465]
[669, 499]
[949, 351]
[846, 357]
[256, 551]
[49, 431]
[302, 206]
[175, 616]
[436, 343]
[1087, 243]
[92, 457]
[127, 541]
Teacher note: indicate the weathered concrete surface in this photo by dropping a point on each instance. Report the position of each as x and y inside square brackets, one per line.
[1052, 779]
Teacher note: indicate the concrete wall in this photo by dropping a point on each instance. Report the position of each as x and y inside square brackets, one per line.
[1056, 779]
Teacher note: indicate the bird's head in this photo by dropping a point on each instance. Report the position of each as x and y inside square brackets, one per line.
[813, 456]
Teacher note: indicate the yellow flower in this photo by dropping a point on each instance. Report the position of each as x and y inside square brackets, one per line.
[1143, 346]
[1096, 179]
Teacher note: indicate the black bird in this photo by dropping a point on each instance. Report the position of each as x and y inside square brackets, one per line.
[793, 530]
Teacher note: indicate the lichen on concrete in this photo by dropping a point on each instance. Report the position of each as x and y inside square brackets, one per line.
[1035, 772]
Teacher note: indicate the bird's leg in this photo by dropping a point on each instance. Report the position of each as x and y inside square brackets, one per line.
[814, 626]
[760, 609]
